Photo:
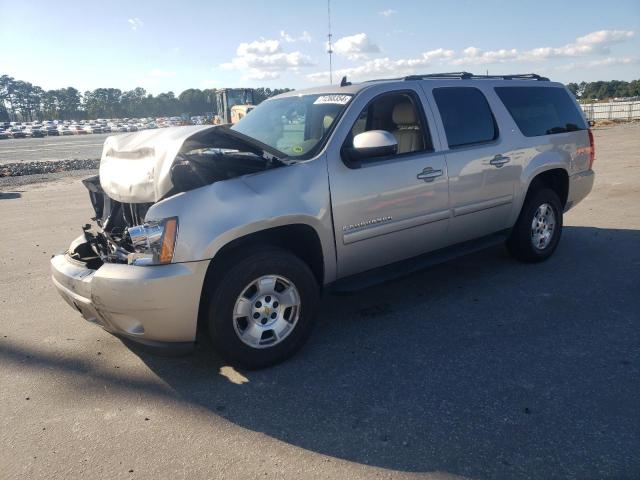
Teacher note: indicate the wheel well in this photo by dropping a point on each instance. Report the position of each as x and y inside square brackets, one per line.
[556, 179]
[302, 240]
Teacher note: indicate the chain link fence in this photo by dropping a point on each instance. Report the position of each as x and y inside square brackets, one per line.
[612, 110]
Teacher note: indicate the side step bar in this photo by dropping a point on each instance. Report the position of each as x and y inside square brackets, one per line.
[406, 267]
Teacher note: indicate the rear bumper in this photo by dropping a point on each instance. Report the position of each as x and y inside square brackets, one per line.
[156, 307]
[580, 184]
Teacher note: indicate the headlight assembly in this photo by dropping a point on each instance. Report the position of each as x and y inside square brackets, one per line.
[153, 243]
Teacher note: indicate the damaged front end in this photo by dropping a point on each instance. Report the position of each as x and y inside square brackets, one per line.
[108, 240]
[140, 169]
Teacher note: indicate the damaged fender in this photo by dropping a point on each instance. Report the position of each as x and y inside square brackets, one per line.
[295, 194]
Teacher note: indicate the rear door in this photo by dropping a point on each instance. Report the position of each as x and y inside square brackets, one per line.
[482, 170]
[390, 208]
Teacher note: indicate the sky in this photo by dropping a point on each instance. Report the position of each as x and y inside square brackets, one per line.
[171, 46]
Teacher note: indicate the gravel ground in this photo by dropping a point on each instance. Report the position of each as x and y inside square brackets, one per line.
[8, 183]
[482, 368]
[35, 168]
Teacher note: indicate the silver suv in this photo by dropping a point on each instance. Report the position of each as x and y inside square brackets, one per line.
[239, 228]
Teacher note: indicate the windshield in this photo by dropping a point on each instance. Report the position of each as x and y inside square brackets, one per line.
[293, 125]
[238, 97]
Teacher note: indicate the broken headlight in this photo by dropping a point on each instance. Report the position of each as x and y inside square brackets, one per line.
[153, 243]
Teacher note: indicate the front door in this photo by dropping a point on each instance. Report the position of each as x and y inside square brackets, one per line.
[395, 207]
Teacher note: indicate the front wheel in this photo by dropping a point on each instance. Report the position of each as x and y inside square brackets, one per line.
[263, 309]
[537, 232]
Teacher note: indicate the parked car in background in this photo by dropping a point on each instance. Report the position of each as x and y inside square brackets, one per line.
[64, 130]
[77, 130]
[92, 128]
[51, 130]
[16, 132]
[3, 135]
[35, 132]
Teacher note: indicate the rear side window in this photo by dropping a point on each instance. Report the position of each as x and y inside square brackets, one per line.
[466, 116]
[541, 110]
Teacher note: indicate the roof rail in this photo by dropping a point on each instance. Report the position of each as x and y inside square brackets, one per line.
[462, 75]
[468, 75]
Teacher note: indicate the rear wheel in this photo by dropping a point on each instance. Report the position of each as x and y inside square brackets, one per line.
[537, 232]
[263, 309]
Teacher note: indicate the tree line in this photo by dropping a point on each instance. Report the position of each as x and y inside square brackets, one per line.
[605, 90]
[23, 101]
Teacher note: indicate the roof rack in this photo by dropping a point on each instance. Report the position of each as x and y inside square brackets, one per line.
[468, 75]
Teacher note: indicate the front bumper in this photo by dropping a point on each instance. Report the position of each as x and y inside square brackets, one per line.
[155, 306]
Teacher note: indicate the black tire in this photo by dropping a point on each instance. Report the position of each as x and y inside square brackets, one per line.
[240, 271]
[520, 244]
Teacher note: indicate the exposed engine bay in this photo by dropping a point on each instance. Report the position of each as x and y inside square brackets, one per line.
[211, 155]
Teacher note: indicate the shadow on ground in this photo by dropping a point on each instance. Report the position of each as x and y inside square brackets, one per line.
[482, 367]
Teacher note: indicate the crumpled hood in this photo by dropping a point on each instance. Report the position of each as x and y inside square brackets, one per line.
[136, 167]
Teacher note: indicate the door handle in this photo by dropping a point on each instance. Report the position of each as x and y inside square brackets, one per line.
[429, 174]
[499, 160]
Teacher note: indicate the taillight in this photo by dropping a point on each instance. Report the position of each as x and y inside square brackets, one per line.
[592, 149]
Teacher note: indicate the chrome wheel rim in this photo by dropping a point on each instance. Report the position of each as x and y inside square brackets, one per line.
[543, 226]
[267, 311]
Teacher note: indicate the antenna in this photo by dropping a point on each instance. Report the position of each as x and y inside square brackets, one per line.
[329, 45]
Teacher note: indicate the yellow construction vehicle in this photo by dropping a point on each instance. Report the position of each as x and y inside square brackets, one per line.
[233, 104]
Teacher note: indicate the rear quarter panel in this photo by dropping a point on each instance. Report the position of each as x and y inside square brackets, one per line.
[535, 155]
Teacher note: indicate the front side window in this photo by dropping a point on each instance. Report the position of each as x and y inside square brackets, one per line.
[295, 125]
[398, 114]
[466, 116]
[541, 110]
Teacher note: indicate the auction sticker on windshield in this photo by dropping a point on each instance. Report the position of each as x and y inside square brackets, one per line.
[336, 99]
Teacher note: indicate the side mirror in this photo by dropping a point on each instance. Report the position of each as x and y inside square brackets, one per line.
[372, 144]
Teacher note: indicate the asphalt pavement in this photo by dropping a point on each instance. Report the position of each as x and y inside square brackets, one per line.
[67, 147]
[482, 368]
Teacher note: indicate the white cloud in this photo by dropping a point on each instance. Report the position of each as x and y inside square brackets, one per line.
[475, 56]
[592, 44]
[264, 59]
[376, 67]
[603, 62]
[135, 23]
[388, 12]
[258, 47]
[305, 37]
[355, 47]
[439, 53]
[386, 66]
[158, 73]
[613, 61]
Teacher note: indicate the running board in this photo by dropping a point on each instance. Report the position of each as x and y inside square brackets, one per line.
[406, 267]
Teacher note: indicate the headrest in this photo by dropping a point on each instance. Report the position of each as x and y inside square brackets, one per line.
[327, 121]
[404, 114]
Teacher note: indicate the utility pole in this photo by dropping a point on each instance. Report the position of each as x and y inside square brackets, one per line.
[329, 45]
